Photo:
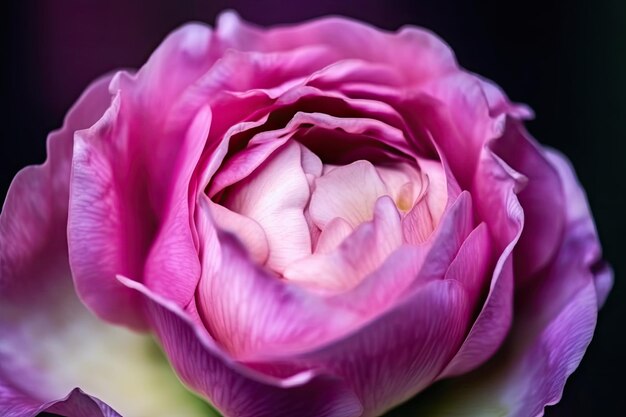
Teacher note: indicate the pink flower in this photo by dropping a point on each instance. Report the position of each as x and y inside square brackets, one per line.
[322, 219]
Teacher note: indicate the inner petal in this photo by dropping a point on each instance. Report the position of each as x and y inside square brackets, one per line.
[275, 196]
[349, 192]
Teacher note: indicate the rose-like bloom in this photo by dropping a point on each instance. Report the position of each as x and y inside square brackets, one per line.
[315, 220]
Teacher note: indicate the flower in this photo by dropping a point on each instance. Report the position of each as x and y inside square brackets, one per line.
[321, 219]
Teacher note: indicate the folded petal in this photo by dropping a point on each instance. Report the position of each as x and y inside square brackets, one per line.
[554, 323]
[247, 309]
[343, 268]
[75, 404]
[275, 197]
[541, 198]
[417, 53]
[425, 328]
[49, 342]
[234, 388]
[130, 180]
[349, 192]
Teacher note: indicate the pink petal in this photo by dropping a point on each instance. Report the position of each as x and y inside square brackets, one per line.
[130, 181]
[542, 199]
[232, 387]
[425, 328]
[417, 225]
[554, 324]
[248, 231]
[50, 343]
[335, 232]
[349, 192]
[75, 404]
[275, 196]
[346, 266]
[34, 267]
[248, 309]
[418, 54]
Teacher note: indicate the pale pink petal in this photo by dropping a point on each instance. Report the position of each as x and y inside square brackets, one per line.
[333, 234]
[438, 192]
[346, 266]
[311, 163]
[349, 192]
[247, 309]
[404, 182]
[248, 231]
[275, 196]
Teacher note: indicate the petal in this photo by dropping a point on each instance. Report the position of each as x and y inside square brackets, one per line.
[578, 212]
[248, 231]
[333, 234]
[130, 177]
[425, 329]
[349, 192]
[541, 198]
[275, 196]
[346, 266]
[545, 347]
[554, 323]
[33, 252]
[248, 309]
[49, 342]
[417, 225]
[236, 389]
[498, 183]
[417, 53]
[75, 404]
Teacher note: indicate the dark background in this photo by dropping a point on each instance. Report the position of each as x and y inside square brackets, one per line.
[566, 59]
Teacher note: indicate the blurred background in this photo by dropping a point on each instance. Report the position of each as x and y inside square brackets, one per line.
[567, 60]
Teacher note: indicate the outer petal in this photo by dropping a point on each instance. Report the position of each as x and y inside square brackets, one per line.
[417, 53]
[33, 247]
[235, 389]
[554, 324]
[542, 199]
[131, 177]
[49, 342]
[426, 329]
[75, 404]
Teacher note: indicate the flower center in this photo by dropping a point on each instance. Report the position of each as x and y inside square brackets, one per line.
[294, 211]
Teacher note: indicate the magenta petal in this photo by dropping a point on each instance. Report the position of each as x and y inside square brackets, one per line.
[131, 177]
[554, 323]
[35, 280]
[426, 328]
[76, 404]
[233, 388]
[417, 53]
[542, 199]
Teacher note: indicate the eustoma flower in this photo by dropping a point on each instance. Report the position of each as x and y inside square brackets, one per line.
[322, 219]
